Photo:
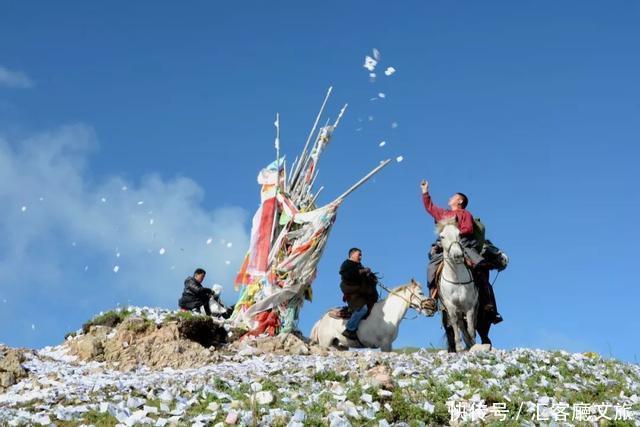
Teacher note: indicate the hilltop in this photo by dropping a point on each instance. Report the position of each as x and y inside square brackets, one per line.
[157, 367]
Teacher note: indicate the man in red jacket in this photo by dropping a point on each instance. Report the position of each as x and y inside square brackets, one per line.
[458, 204]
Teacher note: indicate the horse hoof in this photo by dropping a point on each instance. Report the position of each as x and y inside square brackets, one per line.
[480, 347]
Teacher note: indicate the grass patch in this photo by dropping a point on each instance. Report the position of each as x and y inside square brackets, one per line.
[407, 350]
[221, 385]
[63, 423]
[355, 393]
[268, 385]
[403, 408]
[241, 392]
[154, 402]
[438, 394]
[201, 405]
[141, 326]
[316, 412]
[458, 376]
[513, 371]
[100, 419]
[328, 375]
[110, 318]
[492, 395]
[181, 315]
[93, 417]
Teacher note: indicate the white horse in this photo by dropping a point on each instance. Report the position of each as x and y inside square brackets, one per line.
[458, 293]
[380, 328]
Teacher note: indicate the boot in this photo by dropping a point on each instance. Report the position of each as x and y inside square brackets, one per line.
[485, 295]
[497, 319]
[352, 335]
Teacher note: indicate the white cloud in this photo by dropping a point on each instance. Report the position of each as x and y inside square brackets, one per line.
[103, 220]
[14, 79]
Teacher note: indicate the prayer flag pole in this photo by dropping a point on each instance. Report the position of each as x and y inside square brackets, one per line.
[362, 181]
[296, 247]
[301, 162]
[277, 145]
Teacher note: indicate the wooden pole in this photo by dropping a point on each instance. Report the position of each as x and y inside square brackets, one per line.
[335, 125]
[362, 180]
[316, 196]
[277, 145]
[301, 185]
[313, 129]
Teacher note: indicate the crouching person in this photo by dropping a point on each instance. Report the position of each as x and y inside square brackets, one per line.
[194, 294]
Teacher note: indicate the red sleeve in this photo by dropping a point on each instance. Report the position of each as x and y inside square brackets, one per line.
[465, 223]
[435, 211]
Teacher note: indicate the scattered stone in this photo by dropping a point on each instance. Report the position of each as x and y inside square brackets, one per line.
[281, 345]
[480, 347]
[232, 418]
[137, 341]
[380, 376]
[299, 416]
[264, 397]
[11, 369]
[343, 388]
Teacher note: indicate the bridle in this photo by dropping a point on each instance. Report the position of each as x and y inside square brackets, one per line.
[409, 301]
[449, 259]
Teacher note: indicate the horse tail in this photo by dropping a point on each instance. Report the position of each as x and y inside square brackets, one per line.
[314, 334]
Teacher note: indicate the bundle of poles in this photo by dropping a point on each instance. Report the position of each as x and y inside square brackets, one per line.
[288, 236]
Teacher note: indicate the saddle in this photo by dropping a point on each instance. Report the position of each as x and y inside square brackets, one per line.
[340, 313]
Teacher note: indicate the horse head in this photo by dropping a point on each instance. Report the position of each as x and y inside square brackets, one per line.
[450, 238]
[412, 293]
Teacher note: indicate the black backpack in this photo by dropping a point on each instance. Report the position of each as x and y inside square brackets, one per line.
[478, 233]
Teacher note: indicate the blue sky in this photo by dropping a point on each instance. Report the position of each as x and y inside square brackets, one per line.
[531, 109]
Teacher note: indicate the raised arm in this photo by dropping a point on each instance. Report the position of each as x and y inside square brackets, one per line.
[434, 210]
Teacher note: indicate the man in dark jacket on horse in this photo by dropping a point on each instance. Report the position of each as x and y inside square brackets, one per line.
[458, 204]
[359, 288]
[194, 294]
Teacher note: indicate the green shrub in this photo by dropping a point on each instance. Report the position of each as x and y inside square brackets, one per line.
[328, 375]
[180, 315]
[143, 325]
[110, 318]
[100, 419]
[404, 409]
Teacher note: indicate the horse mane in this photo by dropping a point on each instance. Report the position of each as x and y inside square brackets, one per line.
[403, 287]
[452, 220]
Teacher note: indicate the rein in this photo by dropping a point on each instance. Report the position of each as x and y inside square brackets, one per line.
[390, 292]
[447, 258]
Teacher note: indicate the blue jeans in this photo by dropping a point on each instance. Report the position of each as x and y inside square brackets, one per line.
[356, 317]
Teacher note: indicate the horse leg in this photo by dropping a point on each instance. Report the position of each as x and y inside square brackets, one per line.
[469, 328]
[483, 327]
[448, 330]
[454, 320]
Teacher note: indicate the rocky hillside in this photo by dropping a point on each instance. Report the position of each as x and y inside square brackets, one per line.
[158, 367]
